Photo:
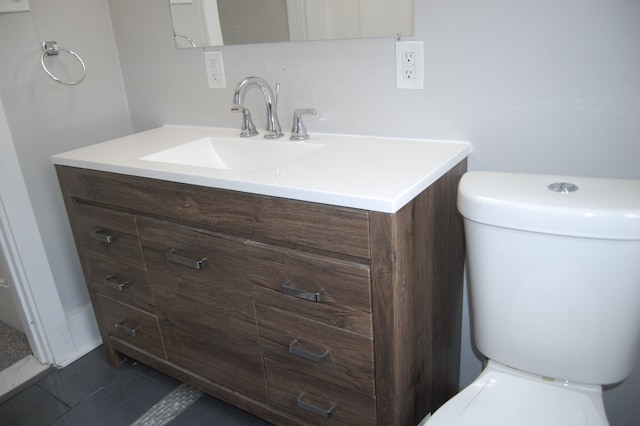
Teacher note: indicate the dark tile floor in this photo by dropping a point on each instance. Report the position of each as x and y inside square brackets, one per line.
[90, 392]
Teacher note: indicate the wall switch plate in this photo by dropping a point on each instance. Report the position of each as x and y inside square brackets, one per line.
[14, 6]
[410, 65]
[215, 69]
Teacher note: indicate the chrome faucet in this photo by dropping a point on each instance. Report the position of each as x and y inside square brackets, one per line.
[272, 129]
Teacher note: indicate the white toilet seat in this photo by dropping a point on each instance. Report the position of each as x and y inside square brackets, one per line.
[502, 396]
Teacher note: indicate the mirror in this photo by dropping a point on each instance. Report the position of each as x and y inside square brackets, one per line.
[204, 23]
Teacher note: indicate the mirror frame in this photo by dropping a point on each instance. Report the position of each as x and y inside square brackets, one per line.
[212, 23]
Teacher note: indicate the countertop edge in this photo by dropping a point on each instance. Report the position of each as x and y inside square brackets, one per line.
[330, 197]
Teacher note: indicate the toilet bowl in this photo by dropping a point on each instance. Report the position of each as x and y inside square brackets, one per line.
[554, 289]
[503, 396]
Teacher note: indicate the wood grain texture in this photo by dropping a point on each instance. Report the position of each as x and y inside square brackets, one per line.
[348, 408]
[147, 332]
[392, 287]
[136, 293]
[335, 229]
[344, 286]
[207, 316]
[417, 267]
[115, 358]
[121, 226]
[349, 361]
[192, 378]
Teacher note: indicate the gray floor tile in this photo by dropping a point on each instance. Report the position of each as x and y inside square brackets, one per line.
[90, 392]
[74, 383]
[119, 402]
[150, 373]
[208, 411]
[31, 407]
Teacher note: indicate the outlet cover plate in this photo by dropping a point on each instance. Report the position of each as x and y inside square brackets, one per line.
[410, 65]
[215, 69]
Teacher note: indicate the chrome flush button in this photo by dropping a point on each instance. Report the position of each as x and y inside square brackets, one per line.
[563, 187]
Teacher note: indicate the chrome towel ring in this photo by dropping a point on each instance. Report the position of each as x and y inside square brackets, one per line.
[50, 48]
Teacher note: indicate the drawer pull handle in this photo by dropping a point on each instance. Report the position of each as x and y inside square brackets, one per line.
[104, 235]
[113, 283]
[133, 332]
[320, 358]
[322, 412]
[287, 288]
[192, 263]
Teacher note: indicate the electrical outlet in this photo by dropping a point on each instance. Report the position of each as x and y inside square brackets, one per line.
[408, 58]
[409, 73]
[410, 65]
[215, 69]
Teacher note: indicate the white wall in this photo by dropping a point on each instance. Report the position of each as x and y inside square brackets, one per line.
[536, 86]
[45, 117]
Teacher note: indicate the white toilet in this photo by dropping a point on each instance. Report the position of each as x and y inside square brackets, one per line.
[554, 285]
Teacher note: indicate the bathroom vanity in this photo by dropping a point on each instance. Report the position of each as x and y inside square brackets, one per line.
[311, 292]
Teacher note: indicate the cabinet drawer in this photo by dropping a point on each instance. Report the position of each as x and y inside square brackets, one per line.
[120, 281]
[107, 232]
[331, 228]
[317, 351]
[315, 402]
[325, 289]
[131, 325]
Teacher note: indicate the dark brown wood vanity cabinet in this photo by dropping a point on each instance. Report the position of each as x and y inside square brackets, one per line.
[298, 312]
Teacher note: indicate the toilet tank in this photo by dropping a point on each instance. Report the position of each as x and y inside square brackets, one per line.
[554, 273]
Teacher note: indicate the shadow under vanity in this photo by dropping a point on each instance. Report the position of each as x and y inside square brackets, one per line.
[296, 311]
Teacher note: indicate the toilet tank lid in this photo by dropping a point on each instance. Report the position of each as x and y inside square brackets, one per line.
[577, 206]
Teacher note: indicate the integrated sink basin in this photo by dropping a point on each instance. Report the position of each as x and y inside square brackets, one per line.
[235, 154]
[362, 172]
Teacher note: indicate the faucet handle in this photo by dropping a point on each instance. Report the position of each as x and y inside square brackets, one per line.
[299, 132]
[248, 129]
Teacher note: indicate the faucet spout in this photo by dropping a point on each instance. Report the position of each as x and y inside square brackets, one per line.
[272, 129]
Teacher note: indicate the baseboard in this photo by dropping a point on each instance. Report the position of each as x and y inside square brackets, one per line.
[84, 332]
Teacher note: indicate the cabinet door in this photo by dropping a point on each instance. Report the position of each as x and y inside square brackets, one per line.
[204, 304]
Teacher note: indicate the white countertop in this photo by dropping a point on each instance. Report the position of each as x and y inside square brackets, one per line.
[364, 172]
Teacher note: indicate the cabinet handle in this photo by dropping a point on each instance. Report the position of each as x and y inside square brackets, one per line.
[192, 263]
[305, 405]
[113, 283]
[126, 330]
[320, 358]
[104, 235]
[287, 288]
